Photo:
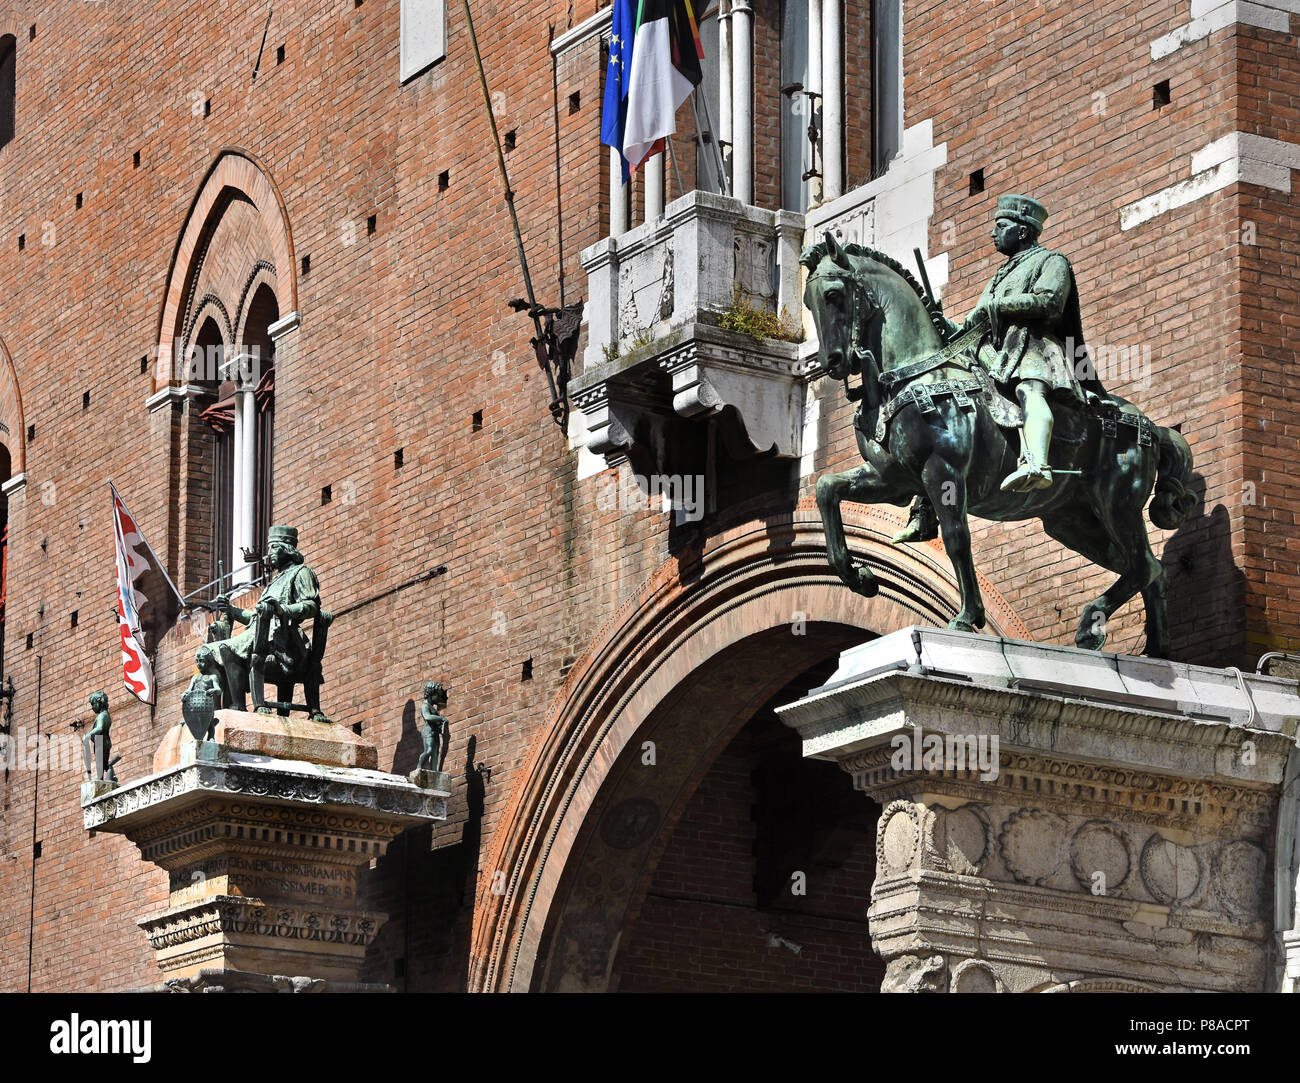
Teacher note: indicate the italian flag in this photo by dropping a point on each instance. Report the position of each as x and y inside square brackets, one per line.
[666, 55]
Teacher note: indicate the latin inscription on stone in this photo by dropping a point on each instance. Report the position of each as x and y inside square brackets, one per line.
[265, 878]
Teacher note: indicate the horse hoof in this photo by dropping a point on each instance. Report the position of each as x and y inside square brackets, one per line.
[1090, 642]
[959, 625]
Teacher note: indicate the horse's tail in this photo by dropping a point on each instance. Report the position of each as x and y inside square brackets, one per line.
[1173, 503]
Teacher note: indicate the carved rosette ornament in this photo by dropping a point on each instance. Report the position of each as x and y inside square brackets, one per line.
[897, 836]
[976, 976]
[1100, 857]
[1032, 845]
[1171, 872]
[1240, 879]
[959, 839]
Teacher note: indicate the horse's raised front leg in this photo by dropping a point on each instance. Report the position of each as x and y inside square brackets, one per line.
[861, 486]
[945, 484]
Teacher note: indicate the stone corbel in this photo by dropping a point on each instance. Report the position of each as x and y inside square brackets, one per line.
[713, 369]
[1061, 819]
[612, 420]
[1286, 884]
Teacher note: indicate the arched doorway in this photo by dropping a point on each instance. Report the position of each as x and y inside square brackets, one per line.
[686, 665]
[675, 838]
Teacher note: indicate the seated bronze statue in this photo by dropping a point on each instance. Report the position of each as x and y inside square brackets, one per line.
[274, 647]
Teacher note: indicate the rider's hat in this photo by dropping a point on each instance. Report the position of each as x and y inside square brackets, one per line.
[283, 534]
[1022, 209]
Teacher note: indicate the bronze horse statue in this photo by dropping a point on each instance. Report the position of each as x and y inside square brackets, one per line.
[926, 425]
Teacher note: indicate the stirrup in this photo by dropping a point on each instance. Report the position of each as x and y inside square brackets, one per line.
[1027, 476]
[919, 528]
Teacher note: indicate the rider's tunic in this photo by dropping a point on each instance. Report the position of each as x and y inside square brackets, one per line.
[297, 590]
[1033, 306]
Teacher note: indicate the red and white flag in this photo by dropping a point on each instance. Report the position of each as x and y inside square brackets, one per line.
[148, 602]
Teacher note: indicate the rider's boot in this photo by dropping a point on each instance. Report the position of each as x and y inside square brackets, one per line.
[1032, 471]
[922, 524]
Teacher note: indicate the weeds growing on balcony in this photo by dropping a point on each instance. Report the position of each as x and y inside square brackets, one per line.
[758, 322]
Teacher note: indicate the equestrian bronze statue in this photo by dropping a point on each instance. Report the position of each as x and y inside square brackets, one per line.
[1001, 417]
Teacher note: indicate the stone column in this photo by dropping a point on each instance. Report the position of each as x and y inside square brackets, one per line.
[833, 99]
[742, 101]
[1056, 819]
[724, 133]
[245, 468]
[653, 178]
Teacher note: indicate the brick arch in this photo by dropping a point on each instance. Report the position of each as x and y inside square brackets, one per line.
[11, 414]
[263, 275]
[729, 605]
[213, 308]
[235, 174]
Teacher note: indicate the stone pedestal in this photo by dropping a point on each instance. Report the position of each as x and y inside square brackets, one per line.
[264, 833]
[1060, 820]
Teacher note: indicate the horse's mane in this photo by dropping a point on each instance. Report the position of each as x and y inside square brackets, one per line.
[814, 254]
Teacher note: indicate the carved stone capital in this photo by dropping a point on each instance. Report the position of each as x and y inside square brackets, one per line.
[1041, 833]
[264, 852]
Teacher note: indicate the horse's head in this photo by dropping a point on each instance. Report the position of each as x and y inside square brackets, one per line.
[841, 303]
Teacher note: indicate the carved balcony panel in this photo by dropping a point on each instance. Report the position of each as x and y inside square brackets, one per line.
[657, 352]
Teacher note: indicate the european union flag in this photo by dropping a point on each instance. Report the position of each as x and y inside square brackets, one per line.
[618, 77]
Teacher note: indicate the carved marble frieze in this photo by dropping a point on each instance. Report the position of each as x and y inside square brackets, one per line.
[235, 915]
[302, 784]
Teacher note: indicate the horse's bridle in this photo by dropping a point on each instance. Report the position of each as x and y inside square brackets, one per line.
[859, 356]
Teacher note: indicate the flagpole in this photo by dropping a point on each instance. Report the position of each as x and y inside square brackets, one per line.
[713, 138]
[681, 190]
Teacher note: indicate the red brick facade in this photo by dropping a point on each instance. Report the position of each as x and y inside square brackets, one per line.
[632, 628]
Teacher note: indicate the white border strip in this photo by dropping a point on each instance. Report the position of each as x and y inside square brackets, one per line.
[1238, 156]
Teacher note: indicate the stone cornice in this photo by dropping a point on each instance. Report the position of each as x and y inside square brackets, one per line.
[282, 327]
[584, 31]
[1145, 725]
[135, 805]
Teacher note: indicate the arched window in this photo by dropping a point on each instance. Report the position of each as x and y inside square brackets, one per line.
[8, 86]
[231, 283]
[5, 472]
[263, 312]
[219, 479]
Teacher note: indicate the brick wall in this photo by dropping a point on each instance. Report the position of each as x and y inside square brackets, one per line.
[396, 349]
[702, 927]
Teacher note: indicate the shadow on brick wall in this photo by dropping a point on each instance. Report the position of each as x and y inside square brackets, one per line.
[1206, 589]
